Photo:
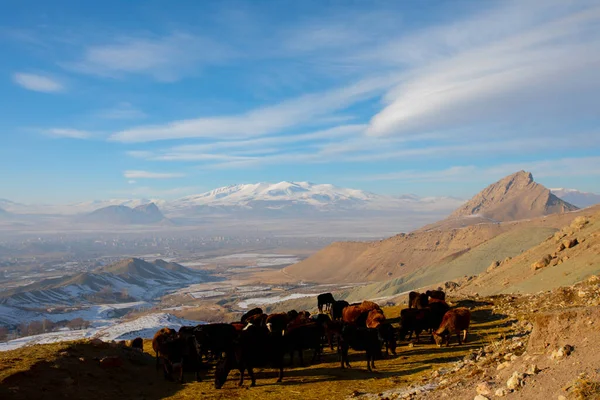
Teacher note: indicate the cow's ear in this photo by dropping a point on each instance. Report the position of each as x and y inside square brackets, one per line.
[223, 355]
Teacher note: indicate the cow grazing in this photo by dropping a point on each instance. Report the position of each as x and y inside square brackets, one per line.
[375, 318]
[413, 321]
[436, 294]
[277, 322]
[386, 332]
[256, 347]
[257, 319]
[455, 321]
[325, 301]
[369, 306]
[137, 343]
[360, 339]
[160, 337]
[215, 339]
[412, 297]
[355, 315]
[438, 309]
[254, 311]
[293, 314]
[304, 337]
[337, 308]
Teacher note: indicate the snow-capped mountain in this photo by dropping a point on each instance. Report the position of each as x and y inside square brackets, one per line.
[576, 197]
[299, 196]
[258, 199]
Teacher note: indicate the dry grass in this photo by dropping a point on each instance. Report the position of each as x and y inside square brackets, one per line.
[45, 369]
[586, 389]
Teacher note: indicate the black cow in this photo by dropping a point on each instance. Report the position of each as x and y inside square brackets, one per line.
[360, 339]
[256, 347]
[412, 296]
[325, 300]
[250, 313]
[214, 338]
[337, 308]
[436, 294]
[304, 337]
[386, 332]
[436, 314]
[413, 321]
[179, 355]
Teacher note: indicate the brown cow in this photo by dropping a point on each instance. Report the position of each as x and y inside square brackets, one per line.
[277, 322]
[455, 321]
[369, 305]
[137, 343]
[375, 318]
[354, 315]
[161, 337]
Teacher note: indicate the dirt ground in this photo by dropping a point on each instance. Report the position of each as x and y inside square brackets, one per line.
[72, 370]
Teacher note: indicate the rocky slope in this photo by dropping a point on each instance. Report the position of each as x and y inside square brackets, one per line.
[435, 245]
[514, 197]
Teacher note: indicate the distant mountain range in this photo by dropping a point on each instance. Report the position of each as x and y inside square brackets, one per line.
[118, 215]
[135, 278]
[260, 199]
[577, 198]
[305, 199]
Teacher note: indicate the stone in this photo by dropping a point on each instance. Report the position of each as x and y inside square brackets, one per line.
[568, 243]
[533, 370]
[561, 397]
[503, 365]
[483, 388]
[480, 397]
[515, 381]
[97, 342]
[508, 356]
[493, 265]
[541, 263]
[501, 392]
[560, 247]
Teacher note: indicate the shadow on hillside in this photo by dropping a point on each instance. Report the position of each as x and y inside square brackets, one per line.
[77, 373]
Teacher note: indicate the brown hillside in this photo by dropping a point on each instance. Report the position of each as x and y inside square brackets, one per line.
[514, 197]
[569, 256]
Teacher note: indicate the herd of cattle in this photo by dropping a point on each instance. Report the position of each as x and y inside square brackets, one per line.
[260, 340]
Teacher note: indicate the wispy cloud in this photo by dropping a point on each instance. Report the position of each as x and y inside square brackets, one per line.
[68, 133]
[150, 192]
[261, 121]
[507, 76]
[164, 58]
[37, 83]
[136, 174]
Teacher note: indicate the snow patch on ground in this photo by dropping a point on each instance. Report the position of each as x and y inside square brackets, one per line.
[144, 327]
[259, 301]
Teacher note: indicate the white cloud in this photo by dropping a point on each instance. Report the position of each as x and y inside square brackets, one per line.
[68, 133]
[37, 83]
[507, 76]
[165, 58]
[261, 121]
[131, 182]
[136, 174]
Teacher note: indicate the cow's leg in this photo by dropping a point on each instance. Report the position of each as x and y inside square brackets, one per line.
[466, 332]
[301, 356]
[417, 333]
[280, 370]
[242, 369]
[252, 378]
[458, 334]
[369, 361]
[181, 372]
[157, 363]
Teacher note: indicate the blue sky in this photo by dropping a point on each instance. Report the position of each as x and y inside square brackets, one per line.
[143, 99]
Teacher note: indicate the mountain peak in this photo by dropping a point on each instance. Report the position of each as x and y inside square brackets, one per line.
[516, 196]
